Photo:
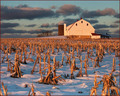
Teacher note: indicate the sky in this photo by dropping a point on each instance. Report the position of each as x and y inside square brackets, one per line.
[30, 18]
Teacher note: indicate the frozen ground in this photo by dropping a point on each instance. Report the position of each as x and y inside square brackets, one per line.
[77, 86]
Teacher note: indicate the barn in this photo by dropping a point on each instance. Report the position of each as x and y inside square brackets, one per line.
[80, 28]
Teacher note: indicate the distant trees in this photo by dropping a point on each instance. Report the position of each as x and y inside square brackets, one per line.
[47, 33]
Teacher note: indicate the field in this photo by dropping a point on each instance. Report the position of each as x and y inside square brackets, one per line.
[59, 66]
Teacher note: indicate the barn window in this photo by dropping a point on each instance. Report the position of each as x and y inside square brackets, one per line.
[81, 21]
[87, 24]
[76, 24]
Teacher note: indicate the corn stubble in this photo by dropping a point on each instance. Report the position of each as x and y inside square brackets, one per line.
[109, 86]
[43, 48]
[4, 90]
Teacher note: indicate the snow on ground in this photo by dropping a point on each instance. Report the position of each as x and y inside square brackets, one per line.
[77, 86]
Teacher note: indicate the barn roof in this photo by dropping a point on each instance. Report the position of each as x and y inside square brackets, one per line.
[71, 25]
[95, 34]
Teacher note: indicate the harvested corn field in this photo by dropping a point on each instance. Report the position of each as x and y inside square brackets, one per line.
[64, 66]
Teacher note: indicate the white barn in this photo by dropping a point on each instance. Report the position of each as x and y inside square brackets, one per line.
[80, 28]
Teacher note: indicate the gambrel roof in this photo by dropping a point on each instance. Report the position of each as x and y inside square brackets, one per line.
[79, 22]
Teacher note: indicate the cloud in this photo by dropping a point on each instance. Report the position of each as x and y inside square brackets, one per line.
[98, 13]
[114, 34]
[69, 21]
[118, 21]
[102, 31]
[32, 25]
[49, 25]
[22, 6]
[107, 11]
[68, 9]
[53, 7]
[9, 25]
[54, 25]
[45, 25]
[92, 21]
[113, 26]
[9, 32]
[117, 15]
[117, 32]
[98, 26]
[61, 22]
[25, 12]
[98, 30]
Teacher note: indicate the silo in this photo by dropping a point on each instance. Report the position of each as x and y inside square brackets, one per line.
[60, 30]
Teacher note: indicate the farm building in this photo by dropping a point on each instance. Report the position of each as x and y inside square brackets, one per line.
[80, 28]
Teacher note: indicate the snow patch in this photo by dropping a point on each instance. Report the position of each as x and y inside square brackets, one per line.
[28, 76]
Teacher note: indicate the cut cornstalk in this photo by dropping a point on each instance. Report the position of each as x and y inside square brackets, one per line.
[62, 58]
[21, 56]
[8, 67]
[40, 66]
[54, 70]
[35, 64]
[44, 59]
[4, 89]
[72, 69]
[80, 71]
[25, 53]
[114, 65]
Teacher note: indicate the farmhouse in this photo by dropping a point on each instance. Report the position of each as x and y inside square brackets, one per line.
[80, 28]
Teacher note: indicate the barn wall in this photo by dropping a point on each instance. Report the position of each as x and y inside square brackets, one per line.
[95, 36]
[85, 36]
[65, 30]
[78, 28]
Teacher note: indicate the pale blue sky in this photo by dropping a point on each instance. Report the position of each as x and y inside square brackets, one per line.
[88, 5]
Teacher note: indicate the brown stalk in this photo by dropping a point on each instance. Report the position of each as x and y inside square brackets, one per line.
[4, 89]
[37, 58]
